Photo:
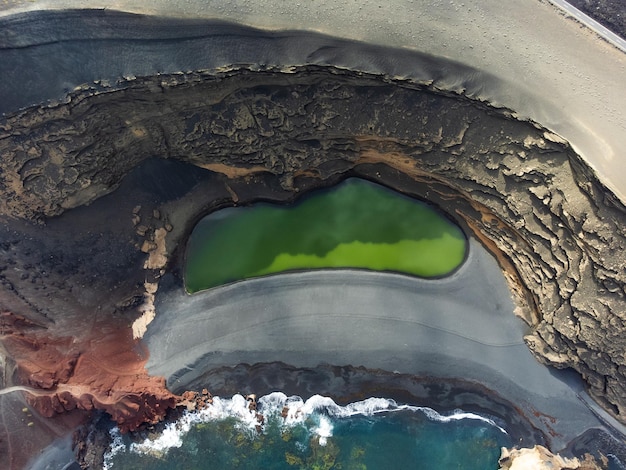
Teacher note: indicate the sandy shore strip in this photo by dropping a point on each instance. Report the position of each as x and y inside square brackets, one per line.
[462, 326]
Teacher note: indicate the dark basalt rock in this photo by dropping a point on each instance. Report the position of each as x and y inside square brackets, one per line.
[557, 232]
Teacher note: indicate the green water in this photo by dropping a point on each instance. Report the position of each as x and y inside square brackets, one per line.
[356, 224]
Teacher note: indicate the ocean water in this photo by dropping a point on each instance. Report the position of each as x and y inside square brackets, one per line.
[355, 224]
[315, 434]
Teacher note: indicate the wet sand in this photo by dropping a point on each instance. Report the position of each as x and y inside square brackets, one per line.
[459, 327]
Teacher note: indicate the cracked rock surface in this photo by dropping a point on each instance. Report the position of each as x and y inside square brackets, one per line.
[557, 232]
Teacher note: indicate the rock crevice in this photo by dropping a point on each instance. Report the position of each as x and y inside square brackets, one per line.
[558, 233]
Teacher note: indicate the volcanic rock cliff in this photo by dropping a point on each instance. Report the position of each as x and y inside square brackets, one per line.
[75, 264]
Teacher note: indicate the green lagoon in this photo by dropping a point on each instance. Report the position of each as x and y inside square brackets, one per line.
[356, 224]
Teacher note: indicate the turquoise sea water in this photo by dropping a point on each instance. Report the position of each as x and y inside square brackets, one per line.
[375, 434]
[356, 224]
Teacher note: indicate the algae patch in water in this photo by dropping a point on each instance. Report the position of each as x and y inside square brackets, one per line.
[356, 224]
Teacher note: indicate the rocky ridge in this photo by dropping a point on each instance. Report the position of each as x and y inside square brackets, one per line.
[558, 233]
[60, 375]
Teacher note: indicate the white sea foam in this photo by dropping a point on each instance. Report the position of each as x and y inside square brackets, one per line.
[299, 410]
[172, 436]
[317, 414]
[324, 430]
[117, 446]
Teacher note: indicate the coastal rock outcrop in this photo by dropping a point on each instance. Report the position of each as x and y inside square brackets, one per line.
[540, 458]
[61, 374]
[557, 232]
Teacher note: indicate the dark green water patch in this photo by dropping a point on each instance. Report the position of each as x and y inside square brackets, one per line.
[356, 224]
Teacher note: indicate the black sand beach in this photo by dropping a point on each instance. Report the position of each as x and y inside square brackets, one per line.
[461, 327]
[388, 333]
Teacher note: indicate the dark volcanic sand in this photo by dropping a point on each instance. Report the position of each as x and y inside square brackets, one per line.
[45, 270]
[147, 184]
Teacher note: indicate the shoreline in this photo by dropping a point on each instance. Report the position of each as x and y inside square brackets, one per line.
[106, 298]
[370, 320]
[478, 284]
[348, 384]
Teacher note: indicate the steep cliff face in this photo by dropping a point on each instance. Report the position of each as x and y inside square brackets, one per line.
[557, 232]
[66, 373]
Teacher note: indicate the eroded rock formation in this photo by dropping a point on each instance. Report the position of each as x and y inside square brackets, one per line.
[558, 233]
[61, 374]
[540, 458]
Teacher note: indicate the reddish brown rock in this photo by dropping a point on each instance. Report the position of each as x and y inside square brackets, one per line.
[104, 372]
[11, 323]
[194, 400]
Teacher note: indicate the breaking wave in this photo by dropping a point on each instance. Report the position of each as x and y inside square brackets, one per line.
[315, 418]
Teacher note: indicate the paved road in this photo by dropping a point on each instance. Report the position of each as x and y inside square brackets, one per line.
[592, 24]
[525, 56]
